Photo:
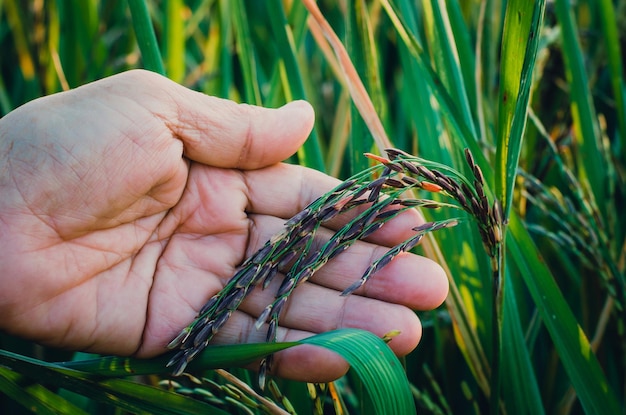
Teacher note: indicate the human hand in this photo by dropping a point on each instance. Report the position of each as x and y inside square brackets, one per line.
[128, 202]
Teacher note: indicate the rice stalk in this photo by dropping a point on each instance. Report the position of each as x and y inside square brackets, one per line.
[146, 38]
[580, 227]
[376, 191]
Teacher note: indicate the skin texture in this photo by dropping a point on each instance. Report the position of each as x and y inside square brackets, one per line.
[128, 202]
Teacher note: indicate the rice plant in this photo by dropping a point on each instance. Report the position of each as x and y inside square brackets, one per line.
[505, 119]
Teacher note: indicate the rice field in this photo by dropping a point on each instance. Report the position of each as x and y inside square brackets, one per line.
[520, 102]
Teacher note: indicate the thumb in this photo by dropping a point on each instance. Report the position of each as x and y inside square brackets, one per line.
[223, 133]
[220, 132]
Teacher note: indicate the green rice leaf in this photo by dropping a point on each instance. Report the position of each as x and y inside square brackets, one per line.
[311, 152]
[214, 357]
[378, 368]
[226, 35]
[519, 382]
[463, 132]
[450, 109]
[247, 58]
[465, 51]
[519, 49]
[358, 44]
[372, 360]
[446, 58]
[146, 38]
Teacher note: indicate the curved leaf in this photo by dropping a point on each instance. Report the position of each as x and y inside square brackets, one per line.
[213, 357]
[375, 364]
[379, 369]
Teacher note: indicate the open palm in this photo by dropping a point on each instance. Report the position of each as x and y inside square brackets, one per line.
[128, 202]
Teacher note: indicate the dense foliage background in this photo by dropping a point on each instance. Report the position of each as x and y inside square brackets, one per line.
[534, 89]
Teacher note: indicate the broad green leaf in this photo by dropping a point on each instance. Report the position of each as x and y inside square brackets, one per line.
[378, 368]
[520, 40]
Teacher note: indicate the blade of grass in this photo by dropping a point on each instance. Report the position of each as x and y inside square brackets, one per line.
[521, 389]
[490, 46]
[24, 84]
[55, 74]
[357, 33]
[81, 48]
[215, 357]
[247, 58]
[446, 58]
[467, 61]
[523, 21]
[478, 70]
[449, 108]
[407, 36]
[146, 38]
[5, 102]
[339, 135]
